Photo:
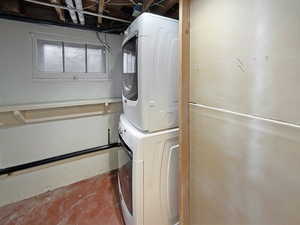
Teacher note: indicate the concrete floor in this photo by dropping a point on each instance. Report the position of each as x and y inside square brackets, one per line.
[89, 202]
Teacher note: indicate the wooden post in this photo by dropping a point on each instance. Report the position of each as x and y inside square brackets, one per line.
[100, 10]
[184, 57]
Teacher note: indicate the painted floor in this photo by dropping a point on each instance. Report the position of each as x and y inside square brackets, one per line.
[89, 202]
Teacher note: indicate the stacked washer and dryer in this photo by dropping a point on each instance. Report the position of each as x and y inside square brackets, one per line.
[148, 161]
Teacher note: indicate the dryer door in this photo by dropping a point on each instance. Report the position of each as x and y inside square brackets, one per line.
[130, 74]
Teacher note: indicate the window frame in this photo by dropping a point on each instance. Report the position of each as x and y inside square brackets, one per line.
[74, 76]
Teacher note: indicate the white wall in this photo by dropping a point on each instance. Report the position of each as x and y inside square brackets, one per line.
[23, 144]
[16, 83]
[18, 186]
[33, 142]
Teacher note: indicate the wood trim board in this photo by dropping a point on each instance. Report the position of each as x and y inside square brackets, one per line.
[184, 62]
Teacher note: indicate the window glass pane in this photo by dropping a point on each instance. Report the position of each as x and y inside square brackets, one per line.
[50, 58]
[74, 57]
[96, 59]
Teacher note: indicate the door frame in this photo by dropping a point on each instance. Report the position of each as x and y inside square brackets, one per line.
[184, 82]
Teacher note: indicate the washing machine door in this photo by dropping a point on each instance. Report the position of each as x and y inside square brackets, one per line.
[130, 70]
[125, 174]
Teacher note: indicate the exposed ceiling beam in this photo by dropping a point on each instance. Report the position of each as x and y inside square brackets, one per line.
[166, 6]
[147, 4]
[12, 6]
[133, 2]
[100, 10]
[59, 12]
[79, 11]
[108, 29]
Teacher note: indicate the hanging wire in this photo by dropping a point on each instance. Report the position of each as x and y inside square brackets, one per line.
[104, 42]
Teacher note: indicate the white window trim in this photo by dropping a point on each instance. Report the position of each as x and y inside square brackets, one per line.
[73, 76]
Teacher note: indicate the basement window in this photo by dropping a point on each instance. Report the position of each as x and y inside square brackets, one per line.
[74, 57]
[64, 59]
[50, 56]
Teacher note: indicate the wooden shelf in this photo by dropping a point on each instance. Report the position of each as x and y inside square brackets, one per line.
[13, 115]
[58, 104]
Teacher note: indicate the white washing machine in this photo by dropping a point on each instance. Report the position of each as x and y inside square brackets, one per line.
[148, 175]
[150, 73]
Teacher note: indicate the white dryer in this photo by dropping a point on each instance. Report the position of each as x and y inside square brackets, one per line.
[148, 175]
[150, 73]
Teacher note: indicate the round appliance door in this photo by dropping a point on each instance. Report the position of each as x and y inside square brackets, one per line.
[130, 74]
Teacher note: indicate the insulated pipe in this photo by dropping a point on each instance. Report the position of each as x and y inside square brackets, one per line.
[78, 4]
[70, 4]
[78, 10]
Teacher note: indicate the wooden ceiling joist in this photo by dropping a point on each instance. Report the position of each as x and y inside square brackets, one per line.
[117, 13]
[166, 6]
[147, 4]
[100, 11]
[59, 12]
[13, 6]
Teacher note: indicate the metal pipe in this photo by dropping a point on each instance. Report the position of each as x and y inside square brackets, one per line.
[78, 5]
[70, 4]
[78, 10]
[56, 158]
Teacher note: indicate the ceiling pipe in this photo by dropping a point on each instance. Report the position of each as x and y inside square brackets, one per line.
[70, 4]
[78, 4]
[78, 11]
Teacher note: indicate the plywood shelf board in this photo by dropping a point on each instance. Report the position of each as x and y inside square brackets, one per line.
[58, 104]
[38, 113]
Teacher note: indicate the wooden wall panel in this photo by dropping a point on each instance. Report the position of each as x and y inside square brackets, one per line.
[245, 56]
[243, 170]
[244, 112]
